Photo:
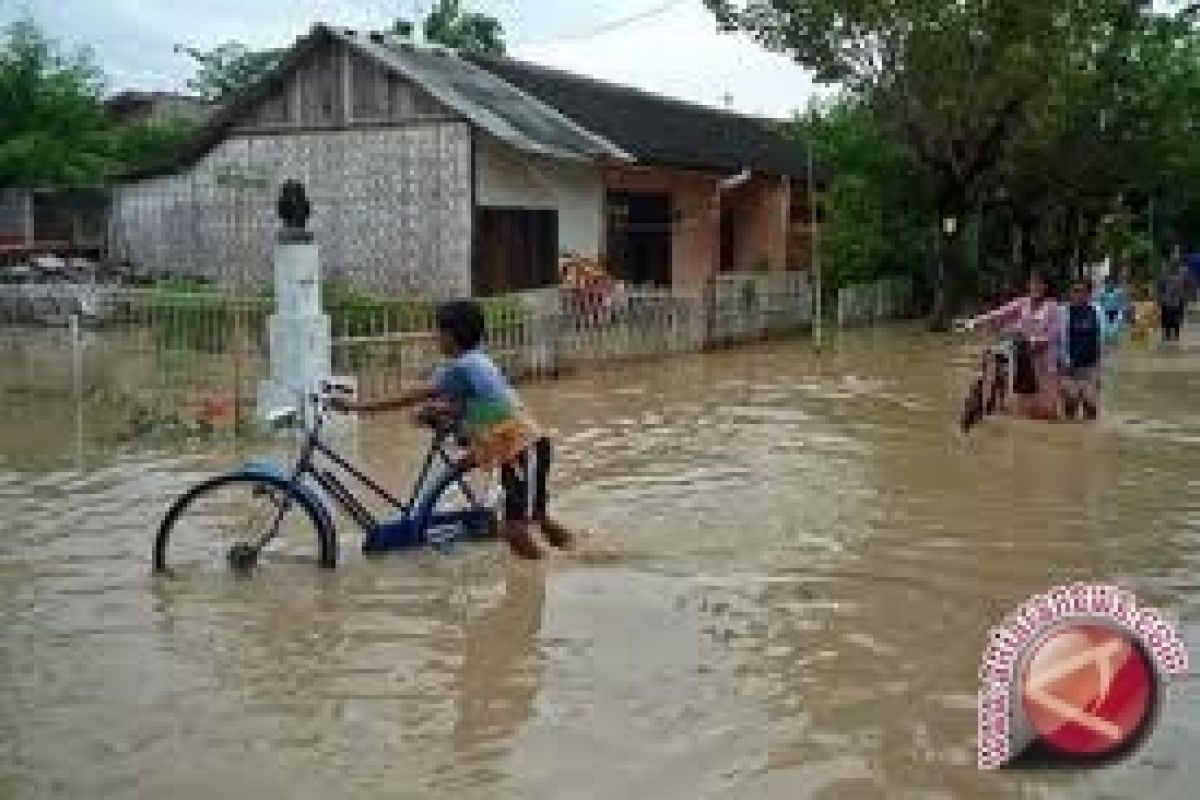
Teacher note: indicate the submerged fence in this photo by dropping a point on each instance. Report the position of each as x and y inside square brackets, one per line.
[172, 358]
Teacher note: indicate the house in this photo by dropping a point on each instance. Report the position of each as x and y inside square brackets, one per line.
[68, 222]
[133, 107]
[438, 174]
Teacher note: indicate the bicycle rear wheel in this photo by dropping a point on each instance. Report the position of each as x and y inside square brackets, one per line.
[238, 521]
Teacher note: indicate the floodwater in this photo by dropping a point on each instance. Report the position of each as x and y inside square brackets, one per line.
[786, 570]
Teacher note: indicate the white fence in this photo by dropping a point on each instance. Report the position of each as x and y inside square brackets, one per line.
[159, 354]
[864, 304]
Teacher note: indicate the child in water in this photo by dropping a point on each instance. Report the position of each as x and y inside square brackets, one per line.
[1115, 305]
[1145, 316]
[469, 388]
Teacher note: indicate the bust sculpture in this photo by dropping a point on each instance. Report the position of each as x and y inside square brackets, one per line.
[293, 208]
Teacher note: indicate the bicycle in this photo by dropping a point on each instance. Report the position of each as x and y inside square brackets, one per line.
[442, 506]
[991, 392]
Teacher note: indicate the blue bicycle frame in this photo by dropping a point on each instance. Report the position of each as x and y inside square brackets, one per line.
[418, 521]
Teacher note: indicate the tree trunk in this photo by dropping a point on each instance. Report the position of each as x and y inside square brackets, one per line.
[939, 315]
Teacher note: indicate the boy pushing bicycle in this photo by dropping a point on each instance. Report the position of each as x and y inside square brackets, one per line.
[470, 389]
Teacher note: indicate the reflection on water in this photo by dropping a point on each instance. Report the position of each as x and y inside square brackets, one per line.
[788, 567]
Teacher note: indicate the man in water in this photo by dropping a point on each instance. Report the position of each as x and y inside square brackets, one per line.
[1174, 290]
[1083, 326]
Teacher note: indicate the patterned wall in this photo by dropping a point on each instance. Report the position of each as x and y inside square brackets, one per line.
[392, 209]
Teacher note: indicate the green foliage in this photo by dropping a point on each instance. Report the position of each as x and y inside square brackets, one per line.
[877, 208]
[228, 68]
[148, 144]
[53, 127]
[1032, 119]
[193, 315]
[469, 31]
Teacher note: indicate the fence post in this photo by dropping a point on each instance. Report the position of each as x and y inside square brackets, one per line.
[77, 385]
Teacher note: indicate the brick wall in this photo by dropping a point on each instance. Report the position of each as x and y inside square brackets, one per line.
[695, 237]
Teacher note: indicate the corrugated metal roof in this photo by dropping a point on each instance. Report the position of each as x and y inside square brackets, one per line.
[491, 103]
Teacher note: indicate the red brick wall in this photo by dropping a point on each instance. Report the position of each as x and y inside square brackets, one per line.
[760, 208]
[695, 240]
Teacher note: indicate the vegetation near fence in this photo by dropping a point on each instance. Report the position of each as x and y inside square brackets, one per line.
[174, 352]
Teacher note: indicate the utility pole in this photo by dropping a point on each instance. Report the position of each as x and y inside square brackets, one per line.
[815, 259]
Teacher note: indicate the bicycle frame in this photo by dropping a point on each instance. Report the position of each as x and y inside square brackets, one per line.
[417, 518]
[306, 466]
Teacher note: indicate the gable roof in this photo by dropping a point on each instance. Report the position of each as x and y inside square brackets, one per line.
[481, 97]
[655, 129]
[536, 110]
[488, 101]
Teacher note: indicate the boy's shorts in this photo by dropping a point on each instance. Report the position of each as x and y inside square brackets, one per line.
[524, 483]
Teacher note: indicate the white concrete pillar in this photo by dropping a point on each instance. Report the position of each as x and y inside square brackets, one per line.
[299, 332]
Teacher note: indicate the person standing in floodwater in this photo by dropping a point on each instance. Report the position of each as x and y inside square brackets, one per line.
[1173, 292]
[1039, 318]
[1114, 302]
[1083, 330]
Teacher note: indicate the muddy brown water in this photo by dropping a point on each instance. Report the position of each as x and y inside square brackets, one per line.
[787, 568]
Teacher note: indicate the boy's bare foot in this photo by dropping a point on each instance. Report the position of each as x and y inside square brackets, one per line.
[520, 540]
[556, 534]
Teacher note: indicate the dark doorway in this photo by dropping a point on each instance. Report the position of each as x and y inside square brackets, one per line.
[515, 249]
[639, 237]
[728, 234]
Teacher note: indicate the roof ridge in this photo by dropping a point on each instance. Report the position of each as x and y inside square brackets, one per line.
[366, 44]
[484, 59]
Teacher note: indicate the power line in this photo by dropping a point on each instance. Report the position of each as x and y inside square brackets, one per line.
[614, 25]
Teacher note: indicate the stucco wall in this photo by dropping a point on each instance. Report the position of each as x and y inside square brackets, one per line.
[391, 209]
[507, 178]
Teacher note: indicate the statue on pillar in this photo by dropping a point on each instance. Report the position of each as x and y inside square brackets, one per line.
[294, 209]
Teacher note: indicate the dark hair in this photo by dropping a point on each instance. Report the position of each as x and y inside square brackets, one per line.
[462, 321]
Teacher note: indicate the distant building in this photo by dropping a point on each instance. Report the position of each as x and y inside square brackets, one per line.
[68, 222]
[438, 174]
[136, 107]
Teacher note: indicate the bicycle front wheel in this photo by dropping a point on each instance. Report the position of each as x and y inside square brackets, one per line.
[238, 521]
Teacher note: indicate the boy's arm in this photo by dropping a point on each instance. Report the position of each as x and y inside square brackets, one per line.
[405, 399]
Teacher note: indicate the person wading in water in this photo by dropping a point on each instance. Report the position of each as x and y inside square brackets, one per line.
[1037, 319]
[1083, 326]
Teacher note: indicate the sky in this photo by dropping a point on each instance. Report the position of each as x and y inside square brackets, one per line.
[666, 46]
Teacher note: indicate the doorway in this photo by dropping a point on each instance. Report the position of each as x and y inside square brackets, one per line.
[638, 237]
[515, 249]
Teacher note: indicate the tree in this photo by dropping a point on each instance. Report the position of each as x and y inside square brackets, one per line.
[1116, 131]
[876, 208]
[227, 69]
[469, 31]
[957, 82]
[52, 126]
